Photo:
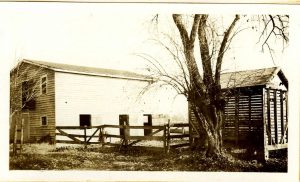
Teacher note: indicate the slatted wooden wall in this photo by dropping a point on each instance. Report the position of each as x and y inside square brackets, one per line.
[275, 104]
[193, 123]
[244, 116]
[246, 110]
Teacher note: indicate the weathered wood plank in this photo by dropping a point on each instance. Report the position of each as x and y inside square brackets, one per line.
[93, 142]
[277, 146]
[68, 141]
[133, 127]
[268, 129]
[179, 125]
[275, 117]
[93, 135]
[68, 135]
[179, 145]
[281, 114]
[74, 127]
[286, 105]
[151, 134]
[161, 138]
[112, 136]
[179, 136]
[76, 135]
[237, 118]
[146, 127]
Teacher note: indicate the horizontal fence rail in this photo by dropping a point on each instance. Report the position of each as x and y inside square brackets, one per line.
[167, 131]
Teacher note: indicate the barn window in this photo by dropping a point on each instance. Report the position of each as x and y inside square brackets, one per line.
[28, 101]
[85, 120]
[44, 121]
[44, 84]
[25, 92]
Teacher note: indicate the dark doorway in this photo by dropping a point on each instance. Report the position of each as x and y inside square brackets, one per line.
[123, 120]
[148, 122]
[85, 120]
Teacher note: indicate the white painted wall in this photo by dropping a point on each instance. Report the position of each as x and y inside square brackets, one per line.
[106, 98]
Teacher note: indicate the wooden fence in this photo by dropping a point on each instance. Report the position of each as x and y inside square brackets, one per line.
[167, 133]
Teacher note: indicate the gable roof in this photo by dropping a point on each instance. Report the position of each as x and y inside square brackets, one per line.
[248, 78]
[93, 71]
[237, 79]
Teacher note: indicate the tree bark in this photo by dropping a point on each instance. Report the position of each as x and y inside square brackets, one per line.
[212, 132]
[204, 94]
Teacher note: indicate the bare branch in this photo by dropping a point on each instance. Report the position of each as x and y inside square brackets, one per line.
[279, 29]
[150, 59]
[222, 48]
[189, 54]
[177, 60]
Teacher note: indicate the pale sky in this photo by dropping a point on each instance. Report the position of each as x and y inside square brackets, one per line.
[71, 34]
[95, 35]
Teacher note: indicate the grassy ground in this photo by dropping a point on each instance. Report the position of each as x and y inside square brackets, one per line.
[49, 157]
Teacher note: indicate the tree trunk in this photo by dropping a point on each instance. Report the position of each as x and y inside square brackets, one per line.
[210, 127]
[214, 144]
[204, 93]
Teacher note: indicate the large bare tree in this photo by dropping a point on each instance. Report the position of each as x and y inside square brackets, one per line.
[199, 79]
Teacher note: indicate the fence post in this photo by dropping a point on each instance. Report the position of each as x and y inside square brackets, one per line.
[126, 135]
[165, 139]
[101, 137]
[85, 144]
[124, 131]
[15, 138]
[22, 133]
[168, 136]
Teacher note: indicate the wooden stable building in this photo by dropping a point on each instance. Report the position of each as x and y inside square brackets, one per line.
[46, 94]
[256, 111]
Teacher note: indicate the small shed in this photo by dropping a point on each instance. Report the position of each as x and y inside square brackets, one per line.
[256, 110]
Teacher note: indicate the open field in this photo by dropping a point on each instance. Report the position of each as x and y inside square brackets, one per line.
[95, 157]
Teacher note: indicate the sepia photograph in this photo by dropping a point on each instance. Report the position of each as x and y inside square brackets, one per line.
[107, 88]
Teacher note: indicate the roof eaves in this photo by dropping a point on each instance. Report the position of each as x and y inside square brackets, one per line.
[37, 64]
[104, 75]
[283, 78]
[85, 73]
[275, 72]
[243, 86]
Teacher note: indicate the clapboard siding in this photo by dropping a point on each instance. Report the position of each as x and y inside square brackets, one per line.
[44, 105]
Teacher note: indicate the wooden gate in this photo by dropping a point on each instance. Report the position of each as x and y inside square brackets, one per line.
[164, 133]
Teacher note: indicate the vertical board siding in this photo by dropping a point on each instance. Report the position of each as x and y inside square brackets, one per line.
[194, 125]
[256, 115]
[277, 116]
[106, 98]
